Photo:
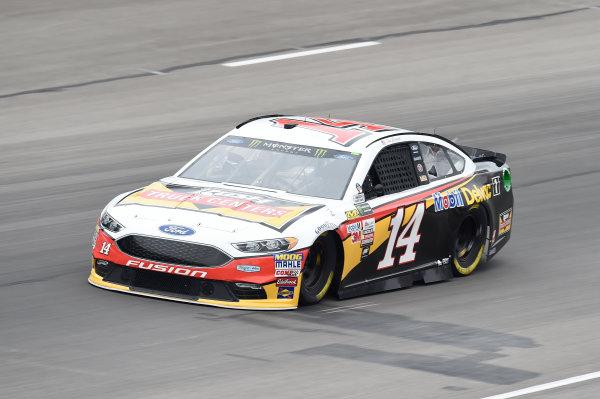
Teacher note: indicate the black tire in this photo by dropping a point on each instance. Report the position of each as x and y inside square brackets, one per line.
[318, 271]
[470, 241]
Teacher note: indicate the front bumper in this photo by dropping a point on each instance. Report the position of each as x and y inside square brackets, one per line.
[223, 295]
[224, 286]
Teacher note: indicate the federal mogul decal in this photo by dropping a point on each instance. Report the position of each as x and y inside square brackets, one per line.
[270, 211]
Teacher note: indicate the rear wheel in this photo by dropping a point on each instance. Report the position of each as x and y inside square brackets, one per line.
[319, 267]
[470, 241]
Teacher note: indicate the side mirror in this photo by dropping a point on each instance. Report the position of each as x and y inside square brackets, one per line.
[378, 189]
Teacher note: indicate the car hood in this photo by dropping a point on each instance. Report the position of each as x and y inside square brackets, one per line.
[218, 207]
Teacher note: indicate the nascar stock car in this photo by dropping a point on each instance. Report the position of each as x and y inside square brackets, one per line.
[283, 209]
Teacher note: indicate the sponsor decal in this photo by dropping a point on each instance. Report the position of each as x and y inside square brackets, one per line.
[420, 167]
[179, 270]
[367, 239]
[291, 261]
[287, 273]
[368, 225]
[105, 248]
[358, 198]
[353, 214]
[356, 237]
[344, 156]
[248, 268]
[496, 185]
[176, 230]
[417, 158]
[287, 282]
[324, 227]
[320, 153]
[359, 188]
[505, 221]
[285, 292]
[493, 238]
[353, 227]
[253, 143]
[423, 178]
[447, 200]
[365, 252]
[477, 194]
[271, 211]
[235, 140]
[364, 209]
[414, 147]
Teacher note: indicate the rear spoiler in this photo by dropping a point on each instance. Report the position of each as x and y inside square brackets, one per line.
[479, 155]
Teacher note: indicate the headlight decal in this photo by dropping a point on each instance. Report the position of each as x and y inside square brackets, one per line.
[270, 245]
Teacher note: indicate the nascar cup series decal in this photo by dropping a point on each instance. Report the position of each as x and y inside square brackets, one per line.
[270, 211]
[288, 265]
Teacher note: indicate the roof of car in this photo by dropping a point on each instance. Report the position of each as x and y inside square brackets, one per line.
[315, 131]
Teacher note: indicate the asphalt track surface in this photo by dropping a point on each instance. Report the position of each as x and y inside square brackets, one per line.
[83, 118]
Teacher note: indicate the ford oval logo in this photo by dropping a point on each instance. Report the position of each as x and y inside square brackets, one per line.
[176, 230]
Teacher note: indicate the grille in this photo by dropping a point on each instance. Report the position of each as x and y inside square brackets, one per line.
[170, 284]
[247, 293]
[395, 169]
[102, 267]
[173, 252]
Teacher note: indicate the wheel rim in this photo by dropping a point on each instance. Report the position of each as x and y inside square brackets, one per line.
[467, 238]
[314, 268]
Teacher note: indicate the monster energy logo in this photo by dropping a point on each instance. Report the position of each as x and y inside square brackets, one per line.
[254, 143]
[320, 153]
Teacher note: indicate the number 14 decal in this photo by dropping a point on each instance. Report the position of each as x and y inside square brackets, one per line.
[408, 238]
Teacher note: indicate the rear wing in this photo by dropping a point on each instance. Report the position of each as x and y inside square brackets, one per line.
[479, 155]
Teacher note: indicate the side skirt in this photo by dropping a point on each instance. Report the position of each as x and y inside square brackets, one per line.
[428, 273]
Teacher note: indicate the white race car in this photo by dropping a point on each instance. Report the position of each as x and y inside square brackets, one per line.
[283, 209]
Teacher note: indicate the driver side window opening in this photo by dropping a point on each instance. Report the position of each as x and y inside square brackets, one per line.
[392, 172]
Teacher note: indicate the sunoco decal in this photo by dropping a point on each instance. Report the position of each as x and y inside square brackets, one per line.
[285, 292]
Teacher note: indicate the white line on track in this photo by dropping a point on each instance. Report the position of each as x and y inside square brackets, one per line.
[300, 54]
[544, 387]
[151, 71]
[348, 307]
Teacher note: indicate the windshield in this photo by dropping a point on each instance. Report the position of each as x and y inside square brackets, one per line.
[297, 169]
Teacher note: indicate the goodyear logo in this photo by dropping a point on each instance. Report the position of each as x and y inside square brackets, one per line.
[288, 261]
[320, 153]
[477, 194]
[447, 200]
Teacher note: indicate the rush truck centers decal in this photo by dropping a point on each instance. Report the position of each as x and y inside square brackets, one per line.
[263, 209]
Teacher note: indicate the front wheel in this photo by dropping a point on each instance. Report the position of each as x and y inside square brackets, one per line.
[470, 241]
[319, 267]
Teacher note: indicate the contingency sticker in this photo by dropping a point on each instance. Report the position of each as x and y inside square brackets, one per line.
[285, 292]
[270, 211]
[505, 221]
